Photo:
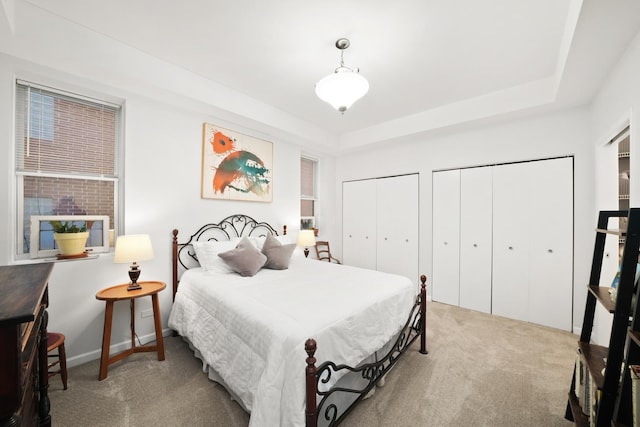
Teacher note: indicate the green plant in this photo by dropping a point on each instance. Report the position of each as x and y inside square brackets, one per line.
[67, 227]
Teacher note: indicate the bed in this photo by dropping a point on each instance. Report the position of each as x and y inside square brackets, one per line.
[298, 345]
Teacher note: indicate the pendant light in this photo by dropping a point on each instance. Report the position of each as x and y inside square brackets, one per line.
[345, 86]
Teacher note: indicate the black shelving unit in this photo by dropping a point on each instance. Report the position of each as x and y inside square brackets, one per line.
[605, 364]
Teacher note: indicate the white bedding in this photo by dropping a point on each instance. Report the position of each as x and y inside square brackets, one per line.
[251, 330]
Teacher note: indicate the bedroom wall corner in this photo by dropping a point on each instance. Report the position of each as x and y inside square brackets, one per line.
[616, 104]
[7, 209]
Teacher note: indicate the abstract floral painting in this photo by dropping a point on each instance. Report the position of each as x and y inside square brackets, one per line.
[235, 166]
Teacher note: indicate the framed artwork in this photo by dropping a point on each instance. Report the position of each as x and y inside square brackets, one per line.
[236, 166]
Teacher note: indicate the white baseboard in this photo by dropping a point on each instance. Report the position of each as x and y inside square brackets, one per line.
[113, 349]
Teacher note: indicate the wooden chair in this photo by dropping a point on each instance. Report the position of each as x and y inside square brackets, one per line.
[324, 253]
[56, 341]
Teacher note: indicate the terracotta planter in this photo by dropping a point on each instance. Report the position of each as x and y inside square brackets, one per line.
[71, 243]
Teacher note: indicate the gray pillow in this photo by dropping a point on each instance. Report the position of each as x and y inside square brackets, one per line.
[278, 255]
[245, 259]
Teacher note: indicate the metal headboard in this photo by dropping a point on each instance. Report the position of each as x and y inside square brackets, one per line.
[184, 256]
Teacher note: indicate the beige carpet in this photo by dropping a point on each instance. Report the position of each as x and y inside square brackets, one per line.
[481, 370]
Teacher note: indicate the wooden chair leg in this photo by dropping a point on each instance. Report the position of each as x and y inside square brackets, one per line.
[62, 356]
[55, 341]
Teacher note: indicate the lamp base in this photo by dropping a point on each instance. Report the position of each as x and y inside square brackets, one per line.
[306, 252]
[133, 286]
[134, 273]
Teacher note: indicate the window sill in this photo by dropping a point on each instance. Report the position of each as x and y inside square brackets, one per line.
[55, 259]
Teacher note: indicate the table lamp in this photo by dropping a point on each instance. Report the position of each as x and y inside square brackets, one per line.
[306, 238]
[131, 249]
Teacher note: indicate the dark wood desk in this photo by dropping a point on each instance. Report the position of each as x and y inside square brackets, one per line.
[24, 399]
[120, 293]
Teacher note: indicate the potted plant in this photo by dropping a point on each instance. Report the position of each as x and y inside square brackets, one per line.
[71, 239]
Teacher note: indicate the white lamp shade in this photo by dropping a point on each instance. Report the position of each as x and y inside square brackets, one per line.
[342, 88]
[133, 248]
[306, 238]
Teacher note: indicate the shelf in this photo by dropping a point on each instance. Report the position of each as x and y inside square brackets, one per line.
[635, 336]
[603, 295]
[594, 356]
[580, 419]
[610, 381]
[614, 232]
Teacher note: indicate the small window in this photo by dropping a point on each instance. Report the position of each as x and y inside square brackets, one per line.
[308, 199]
[66, 162]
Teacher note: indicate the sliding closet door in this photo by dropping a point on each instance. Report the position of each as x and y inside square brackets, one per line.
[446, 237]
[511, 223]
[359, 223]
[476, 210]
[551, 253]
[397, 223]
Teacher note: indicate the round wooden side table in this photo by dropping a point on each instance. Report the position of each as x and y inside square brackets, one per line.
[120, 293]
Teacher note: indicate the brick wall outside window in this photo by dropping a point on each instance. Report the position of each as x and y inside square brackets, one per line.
[82, 155]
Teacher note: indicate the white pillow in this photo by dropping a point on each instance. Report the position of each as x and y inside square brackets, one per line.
[207, 254]
[258, 242]
[286, 239]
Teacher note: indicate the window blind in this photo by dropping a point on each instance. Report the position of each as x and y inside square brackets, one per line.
[58, 134]
[307, 178]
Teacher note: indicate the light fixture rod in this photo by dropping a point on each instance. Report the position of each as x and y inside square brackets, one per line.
[342, 44]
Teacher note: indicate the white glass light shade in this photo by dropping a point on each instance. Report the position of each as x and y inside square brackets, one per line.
[342, 88]
[133, 248]
[306, 238]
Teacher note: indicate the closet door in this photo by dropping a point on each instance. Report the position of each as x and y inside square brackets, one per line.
[476, 238]
[511, 222]
[446, 237]
[397, 225]
[533, 242]
[551, 253]
[359, 223]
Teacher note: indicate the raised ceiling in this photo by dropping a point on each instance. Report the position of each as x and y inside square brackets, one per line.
[430, 63]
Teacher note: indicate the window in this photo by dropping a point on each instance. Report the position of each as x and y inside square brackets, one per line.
[66, 161]
[308, 200]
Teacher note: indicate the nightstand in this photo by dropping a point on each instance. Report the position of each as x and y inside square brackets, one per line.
[120, 293]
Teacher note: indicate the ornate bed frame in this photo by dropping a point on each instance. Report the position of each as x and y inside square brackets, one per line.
[184, 257]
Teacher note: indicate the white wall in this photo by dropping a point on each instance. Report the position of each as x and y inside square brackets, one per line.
[616, 104]
[163, 146]
[552, 135]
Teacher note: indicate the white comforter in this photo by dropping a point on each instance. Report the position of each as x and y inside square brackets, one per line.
[252, 330]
